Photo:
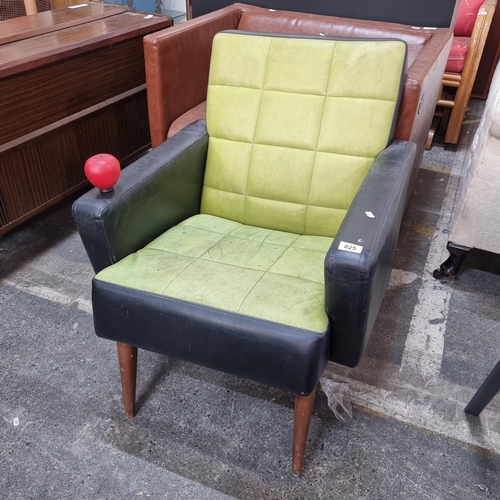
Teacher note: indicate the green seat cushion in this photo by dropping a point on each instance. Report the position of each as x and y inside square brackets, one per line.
[272, 275]
[295, 125]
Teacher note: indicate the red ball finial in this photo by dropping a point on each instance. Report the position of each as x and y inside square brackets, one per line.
[103, 171]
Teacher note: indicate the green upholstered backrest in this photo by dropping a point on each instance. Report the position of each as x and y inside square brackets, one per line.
[295, 124]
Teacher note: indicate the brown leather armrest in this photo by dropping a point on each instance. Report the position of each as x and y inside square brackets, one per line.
[177, 63]
[422, 87]
[421, 92]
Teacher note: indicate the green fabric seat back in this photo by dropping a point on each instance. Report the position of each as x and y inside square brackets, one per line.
[295, 124]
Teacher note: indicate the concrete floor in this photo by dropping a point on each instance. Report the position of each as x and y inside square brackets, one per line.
[201, 434]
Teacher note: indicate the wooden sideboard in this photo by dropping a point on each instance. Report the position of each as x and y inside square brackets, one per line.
[72, 84]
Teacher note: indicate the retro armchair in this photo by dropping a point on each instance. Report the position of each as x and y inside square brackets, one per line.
[261, 243]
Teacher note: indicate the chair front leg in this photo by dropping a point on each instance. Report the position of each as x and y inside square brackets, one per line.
[302, 419]
[127, 357]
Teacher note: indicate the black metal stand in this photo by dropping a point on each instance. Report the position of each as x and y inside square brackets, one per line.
[451, 265]
[488, 390]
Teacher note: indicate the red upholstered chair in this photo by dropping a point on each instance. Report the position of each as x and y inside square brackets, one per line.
[471, 29]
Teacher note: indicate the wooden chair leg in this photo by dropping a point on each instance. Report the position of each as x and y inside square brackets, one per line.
[430, 137]
[30, 7]
[127, 357]
[302, 419]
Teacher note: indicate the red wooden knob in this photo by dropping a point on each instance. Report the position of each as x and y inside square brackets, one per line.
[103, 171]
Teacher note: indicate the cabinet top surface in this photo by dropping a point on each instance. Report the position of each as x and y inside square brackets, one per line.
[97, 25]
[24, 27]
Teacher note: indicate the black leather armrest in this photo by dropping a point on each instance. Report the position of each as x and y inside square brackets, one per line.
[153, 194]
[355, 283]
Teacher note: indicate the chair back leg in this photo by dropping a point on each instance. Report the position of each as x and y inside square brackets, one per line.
[302, 419]
[127, 357]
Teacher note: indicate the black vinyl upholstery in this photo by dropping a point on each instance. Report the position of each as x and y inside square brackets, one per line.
[355, 283]
[270, 353]
[155, 193]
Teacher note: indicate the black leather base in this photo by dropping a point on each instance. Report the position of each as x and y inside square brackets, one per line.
[270, 353]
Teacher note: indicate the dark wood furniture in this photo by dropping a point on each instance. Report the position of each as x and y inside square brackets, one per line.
[25, 27]
[72, 84]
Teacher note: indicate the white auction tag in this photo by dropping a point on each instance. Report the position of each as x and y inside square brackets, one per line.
[350, 247]
[79, 6]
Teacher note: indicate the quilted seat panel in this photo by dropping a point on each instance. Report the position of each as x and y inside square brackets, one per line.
[207, 260]
[287, 151]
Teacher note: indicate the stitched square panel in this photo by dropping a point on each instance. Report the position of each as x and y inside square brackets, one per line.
[366, 70]
[291, 64]
[288, 119]
[341, 170]
[353, 126]
[280, 174]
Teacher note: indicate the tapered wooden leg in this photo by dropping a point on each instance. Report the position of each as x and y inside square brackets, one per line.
[302, 419]
[127, 357]
[430, 137]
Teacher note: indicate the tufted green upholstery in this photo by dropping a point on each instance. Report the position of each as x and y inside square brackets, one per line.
[287, 151]
[220, 263]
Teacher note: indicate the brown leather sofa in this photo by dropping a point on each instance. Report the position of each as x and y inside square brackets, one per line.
[177, 64]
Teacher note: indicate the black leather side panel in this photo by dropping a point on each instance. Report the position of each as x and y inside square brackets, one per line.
[355, 283]
[153, 194]
[270, 353]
